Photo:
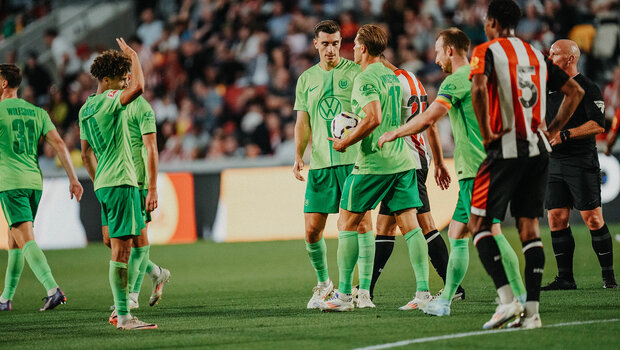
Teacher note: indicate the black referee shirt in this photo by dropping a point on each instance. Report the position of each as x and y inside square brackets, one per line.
[591, 107]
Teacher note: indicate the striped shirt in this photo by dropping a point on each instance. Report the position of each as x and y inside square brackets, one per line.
[518, 78]
[414, 102]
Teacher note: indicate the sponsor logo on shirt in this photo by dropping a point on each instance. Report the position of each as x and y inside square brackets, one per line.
[112, 93]
[474, 62]
[329, 107]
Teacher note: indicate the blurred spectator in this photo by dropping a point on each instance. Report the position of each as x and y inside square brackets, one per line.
[47, 161]
[150, 30]
[37, 77]
[63, 53]
[531, 24]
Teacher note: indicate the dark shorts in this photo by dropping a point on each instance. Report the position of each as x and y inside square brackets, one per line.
[519, 181]
[574, 183]
[421, 175]
[20, 205]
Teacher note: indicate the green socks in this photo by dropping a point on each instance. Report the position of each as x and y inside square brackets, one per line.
[511, 266]
[317, 252]
[149, 266]
[38, 264]
[14, 268]
[118, 282]
[138, 260]
[418, 254]
[366, 258]
[457, 267]
[347, 257]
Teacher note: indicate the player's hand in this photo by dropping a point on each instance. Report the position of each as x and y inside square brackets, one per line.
[491, 137]
[127, 50]
[151, 200]
[298, 167]
[339, 145]
[75, 189]
[387, 137]
[554, 139]
[442, 176]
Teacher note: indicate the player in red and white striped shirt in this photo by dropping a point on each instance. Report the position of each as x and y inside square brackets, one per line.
[509, 82]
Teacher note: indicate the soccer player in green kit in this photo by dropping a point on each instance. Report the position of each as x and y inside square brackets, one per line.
[142, 128]
[324, 91]
[106, 152]
[454, 99]
[386, 174]
[21, 126]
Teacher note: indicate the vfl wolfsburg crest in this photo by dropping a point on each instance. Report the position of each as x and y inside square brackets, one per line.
[343, 83]
[329, 107]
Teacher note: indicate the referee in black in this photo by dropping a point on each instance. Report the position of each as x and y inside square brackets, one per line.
[575, 174]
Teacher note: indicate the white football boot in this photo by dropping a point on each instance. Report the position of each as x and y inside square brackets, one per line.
[338, 302]
[134, 324]
[504, 313]
[419, 302]
[363, 299]
[319, 295]
[526, 322]
[158, 285]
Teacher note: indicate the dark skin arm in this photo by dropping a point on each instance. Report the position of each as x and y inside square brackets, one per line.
[363, 129]
[480, 102]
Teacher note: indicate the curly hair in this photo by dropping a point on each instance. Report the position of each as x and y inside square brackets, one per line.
[506, 12]
[111, 64]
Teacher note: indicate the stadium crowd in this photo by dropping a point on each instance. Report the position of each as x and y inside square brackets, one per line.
[221, 74]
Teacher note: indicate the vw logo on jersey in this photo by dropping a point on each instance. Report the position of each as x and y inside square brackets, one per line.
[329, 107]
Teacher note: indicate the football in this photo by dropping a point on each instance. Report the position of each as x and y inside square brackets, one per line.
[343, 124]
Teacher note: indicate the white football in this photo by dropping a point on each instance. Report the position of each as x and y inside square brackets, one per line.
[343, 124]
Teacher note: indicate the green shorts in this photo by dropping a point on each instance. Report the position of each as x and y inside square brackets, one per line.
[325, 188]
[20, 205]
[462, 212]
[145, 214]
[121, 210]
[362, 192]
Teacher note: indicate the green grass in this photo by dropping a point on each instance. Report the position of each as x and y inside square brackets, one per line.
[253, 296]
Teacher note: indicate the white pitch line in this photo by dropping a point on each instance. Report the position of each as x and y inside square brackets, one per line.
[469, 334]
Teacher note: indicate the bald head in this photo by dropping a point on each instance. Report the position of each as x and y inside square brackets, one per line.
[565, 54]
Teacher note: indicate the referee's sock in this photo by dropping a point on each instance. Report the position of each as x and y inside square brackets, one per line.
[564, 249]
[491, 258]
[384, 245]
[601, 242]
[534, 266]
[438, 252]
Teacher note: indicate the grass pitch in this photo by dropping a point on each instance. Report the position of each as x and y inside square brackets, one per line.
[253, 296]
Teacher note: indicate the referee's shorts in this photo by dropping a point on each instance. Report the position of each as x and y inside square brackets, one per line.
[574, 182]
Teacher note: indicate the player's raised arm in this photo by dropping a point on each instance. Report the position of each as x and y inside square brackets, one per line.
[89, 159]
[150, 142]
[363, 129]
[302, 136]
[137, 80]
[54, 139]
[416, 125]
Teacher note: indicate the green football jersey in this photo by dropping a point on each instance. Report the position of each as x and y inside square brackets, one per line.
[379, 83]
[108, 135]
[21, 126]
[324, 94]
[140, 121]
[455, 93]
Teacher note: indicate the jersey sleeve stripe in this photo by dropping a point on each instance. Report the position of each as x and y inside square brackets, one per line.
[444, 101]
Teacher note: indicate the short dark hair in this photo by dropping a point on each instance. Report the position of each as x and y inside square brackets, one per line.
[327, 26]
[51, 32]
[506, 12]
[456, 38]
[374, 38]
[12, 74]
[111, 64]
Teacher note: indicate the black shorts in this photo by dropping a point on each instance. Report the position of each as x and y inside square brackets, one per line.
[518, 181]
[421, 175]
[574, 183]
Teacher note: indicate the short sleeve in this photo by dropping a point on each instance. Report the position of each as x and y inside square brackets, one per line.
[594, 105]
[47, 123]
[147, 118]
[450, 92]
[113, 101]
[364, 92]
[481, 61]
[556, 76]
[301, 97]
